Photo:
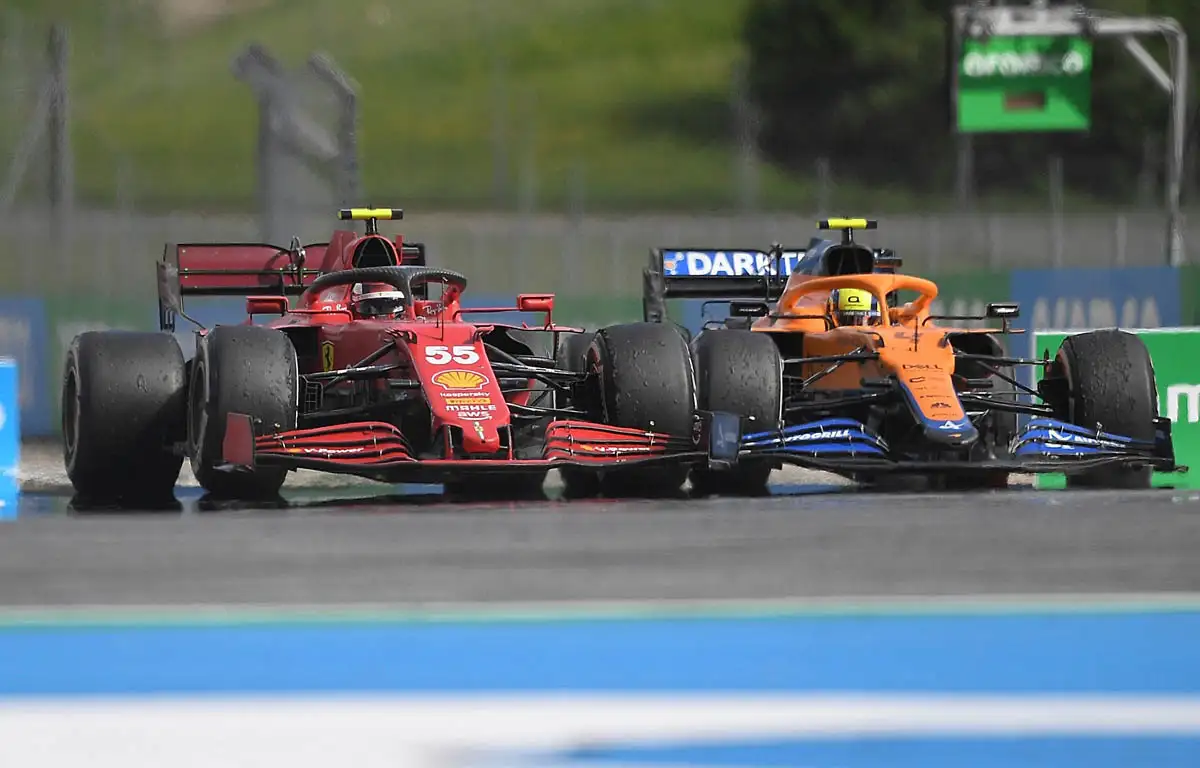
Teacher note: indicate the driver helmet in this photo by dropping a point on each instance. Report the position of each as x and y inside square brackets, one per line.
[854, 306]
[376, 300]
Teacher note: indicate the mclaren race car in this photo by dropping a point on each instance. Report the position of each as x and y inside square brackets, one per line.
[370, 374]
[833, 361]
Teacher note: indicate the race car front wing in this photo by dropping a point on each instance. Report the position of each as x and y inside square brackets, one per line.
[379, 450]
[1045, 445]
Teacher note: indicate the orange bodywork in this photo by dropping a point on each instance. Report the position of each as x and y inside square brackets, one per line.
[917, 353]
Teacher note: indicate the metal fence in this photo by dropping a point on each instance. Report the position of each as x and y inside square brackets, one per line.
[110, 255]
[50, 247]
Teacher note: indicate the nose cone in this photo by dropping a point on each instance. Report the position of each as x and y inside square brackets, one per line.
[951, 432]
[480, 437]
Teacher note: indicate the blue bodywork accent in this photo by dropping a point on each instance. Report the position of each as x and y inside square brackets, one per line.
[1043, 440]
[827, 437]
[1058, 439]
[946, 431]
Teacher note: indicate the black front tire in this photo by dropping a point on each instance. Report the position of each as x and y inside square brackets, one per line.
[1109, 382]
[240, 369]
[646, 382]
[571, 354]
[740, 372]
[123, 412]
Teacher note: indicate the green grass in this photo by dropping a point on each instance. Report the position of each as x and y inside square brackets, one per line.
[626, 100]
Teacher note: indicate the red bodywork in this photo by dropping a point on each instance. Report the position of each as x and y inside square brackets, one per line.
[434, 349]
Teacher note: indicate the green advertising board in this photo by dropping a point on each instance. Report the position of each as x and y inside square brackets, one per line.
[1008, 84]
[1173, 352]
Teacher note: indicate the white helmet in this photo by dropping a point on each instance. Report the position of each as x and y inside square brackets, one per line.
[368, 302]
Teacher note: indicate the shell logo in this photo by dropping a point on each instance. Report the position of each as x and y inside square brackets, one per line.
[460, 380]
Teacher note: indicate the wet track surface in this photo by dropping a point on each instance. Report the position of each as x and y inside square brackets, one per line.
[343, 547]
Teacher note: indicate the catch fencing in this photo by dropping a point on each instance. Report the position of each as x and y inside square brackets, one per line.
[110, 255]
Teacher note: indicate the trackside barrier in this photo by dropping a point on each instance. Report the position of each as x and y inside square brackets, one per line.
[1173, 352]
[10, 437]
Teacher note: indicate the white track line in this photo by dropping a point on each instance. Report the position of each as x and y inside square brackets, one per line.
[430, 730]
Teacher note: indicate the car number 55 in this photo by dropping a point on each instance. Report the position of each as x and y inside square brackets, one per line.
[439, 355]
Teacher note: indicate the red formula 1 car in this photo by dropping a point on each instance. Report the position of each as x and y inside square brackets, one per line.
[371, 375]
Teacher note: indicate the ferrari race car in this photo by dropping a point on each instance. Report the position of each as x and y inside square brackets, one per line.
[371, 375]
[828, 368]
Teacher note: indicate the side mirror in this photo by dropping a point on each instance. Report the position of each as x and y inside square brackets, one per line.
[748, 309]
[266, 305]
[535, 302]
[1003, 310]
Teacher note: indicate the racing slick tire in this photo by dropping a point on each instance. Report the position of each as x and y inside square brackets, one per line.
[1109, 381]
[240, 369]
[738, 372]
[646, 382]
[571, 354]
[123, 414]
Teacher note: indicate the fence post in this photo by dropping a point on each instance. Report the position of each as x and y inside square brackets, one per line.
[61, 161]
[347, 180]
[286, 133]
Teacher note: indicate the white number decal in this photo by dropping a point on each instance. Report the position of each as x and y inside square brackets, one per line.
[439, 355]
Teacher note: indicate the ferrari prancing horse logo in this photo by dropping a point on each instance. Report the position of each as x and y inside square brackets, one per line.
[327, 355]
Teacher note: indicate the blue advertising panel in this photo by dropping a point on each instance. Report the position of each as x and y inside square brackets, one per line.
[1082, 299]
[10, 437]
[1087, 299]
[24, 338]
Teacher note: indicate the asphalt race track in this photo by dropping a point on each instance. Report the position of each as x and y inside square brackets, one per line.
[328, 547]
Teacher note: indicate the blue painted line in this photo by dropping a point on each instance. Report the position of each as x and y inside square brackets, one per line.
[1071, 653]
[914, 752]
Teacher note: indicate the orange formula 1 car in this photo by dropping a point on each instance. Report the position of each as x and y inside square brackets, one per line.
[829, 367]
[370, 374]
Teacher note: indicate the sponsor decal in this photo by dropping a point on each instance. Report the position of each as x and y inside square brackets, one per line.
[949, 425]
[1183, 395]
[921, 367]
[325, 451]
[479, 430]
[1068, 437]
[472, 412]
[727, 263]
[463, 354]
[327, 355]
[916, 380]
[940, 405]
[614, 450]
[836, 434]
[470, 407]
[458, 380]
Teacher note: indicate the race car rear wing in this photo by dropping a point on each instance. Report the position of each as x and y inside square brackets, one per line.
[715, 275]
[242, 269]
[734, 274]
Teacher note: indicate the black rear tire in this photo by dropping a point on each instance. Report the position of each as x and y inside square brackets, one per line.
[240, 369]
[645, 378]
[738, 372]
[1109, 382]
[123, 412]
[572, 355]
